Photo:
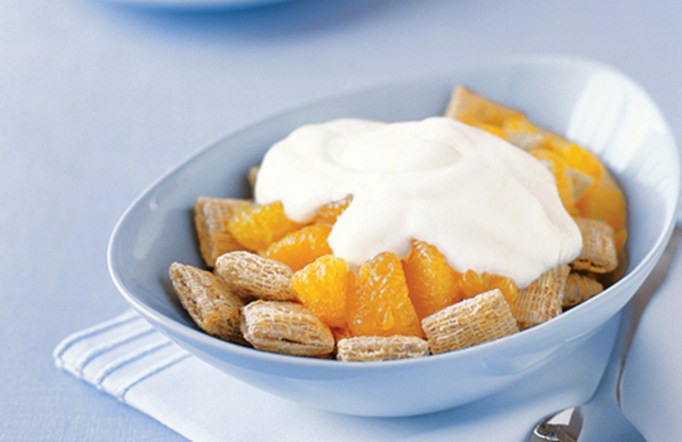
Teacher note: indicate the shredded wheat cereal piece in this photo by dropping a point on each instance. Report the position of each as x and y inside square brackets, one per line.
[381, 348]
[580, 288]
[470, 108]
[599, 250]
[253, 275]
[211, 216]
[541, 301]
[483, 318]
[211, 304]
[285, 327]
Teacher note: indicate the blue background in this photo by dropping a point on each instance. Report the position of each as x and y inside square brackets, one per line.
[97, 100]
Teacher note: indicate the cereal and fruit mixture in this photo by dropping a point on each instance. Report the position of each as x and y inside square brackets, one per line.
[275, 283]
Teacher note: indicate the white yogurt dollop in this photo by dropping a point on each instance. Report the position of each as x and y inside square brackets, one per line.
[485, 204]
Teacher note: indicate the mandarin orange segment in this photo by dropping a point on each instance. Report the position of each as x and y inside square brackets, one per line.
[432, 283]
[474, 283]
[578, 158]
[257, 226]
[322, 287]
[378, 301]
[561, 176]
[331, 211]
[301, 247]
[620, 238]
[605, 201]
[522, 133]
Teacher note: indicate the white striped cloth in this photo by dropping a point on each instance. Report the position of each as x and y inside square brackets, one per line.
[117, 354]
[128, 359]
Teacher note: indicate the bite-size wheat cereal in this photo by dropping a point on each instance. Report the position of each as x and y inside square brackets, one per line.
[252, 275]
[381, 348]
[285, 327]
[208, 300]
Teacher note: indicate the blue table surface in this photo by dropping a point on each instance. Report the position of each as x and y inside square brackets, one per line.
[97, 100]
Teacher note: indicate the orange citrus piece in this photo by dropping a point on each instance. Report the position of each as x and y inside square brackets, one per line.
[301, 247]
[520, 125]
[379, 304]
[432, 283]
[475, 283]
[620, 238]
[605, 201]
[256, 226]
[322, 287]
[561, 177]
[330, 212]
[578, 158]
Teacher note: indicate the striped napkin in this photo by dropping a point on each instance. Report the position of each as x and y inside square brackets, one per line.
[127, 358]
[116, 355]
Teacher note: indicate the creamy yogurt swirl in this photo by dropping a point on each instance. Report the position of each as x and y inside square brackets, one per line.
[485, 204]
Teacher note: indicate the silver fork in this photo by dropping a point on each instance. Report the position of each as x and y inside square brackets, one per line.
[600, 419]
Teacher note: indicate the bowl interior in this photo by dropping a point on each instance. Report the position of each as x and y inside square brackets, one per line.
[586, 101]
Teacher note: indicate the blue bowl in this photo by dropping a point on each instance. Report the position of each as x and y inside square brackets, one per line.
[588, 102]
